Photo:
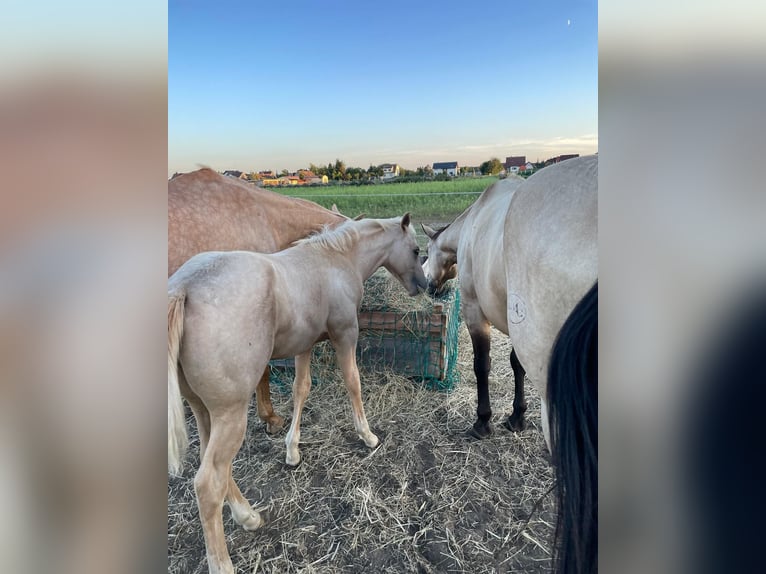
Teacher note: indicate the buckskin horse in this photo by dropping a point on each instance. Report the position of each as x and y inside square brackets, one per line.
[527, 261]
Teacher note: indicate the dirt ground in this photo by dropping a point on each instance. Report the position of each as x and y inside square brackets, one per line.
[428, 499]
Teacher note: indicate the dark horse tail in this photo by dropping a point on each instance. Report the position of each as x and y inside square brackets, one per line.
[573, 417]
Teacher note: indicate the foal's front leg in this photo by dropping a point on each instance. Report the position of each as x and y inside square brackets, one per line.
[345, 349]
[301, 388]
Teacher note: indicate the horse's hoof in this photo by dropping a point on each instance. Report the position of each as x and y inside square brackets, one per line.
[480, 430]
[371, 441]
[253, 522]
[275, 424]
[293, 461]
[515, 423]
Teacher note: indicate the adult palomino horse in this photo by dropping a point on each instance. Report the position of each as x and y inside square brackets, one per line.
[229, 313]
[523, 269]
[211, 212]
[473, 242]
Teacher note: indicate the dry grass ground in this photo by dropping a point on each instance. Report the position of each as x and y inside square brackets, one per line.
[428, 499]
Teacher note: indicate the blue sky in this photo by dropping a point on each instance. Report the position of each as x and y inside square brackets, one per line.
[276, 85]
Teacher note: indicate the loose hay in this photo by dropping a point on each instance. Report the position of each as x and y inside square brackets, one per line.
[382, 292]
[428, 499]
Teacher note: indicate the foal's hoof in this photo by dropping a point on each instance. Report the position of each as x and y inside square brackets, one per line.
[515, 423]
[480, 430]
[293, 460]
[371, 441]
[275, 424]
[252, 522]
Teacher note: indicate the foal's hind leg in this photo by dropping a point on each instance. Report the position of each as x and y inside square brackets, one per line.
[211, 483]
[241, 510]
[273, 422]
[516, 420]
[199, 410]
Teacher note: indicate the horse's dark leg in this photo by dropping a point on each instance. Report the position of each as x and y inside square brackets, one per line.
[516, 420]
[481, 365]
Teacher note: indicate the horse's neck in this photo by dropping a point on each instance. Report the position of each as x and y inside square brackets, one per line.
[297, 222]
[370, 251]
[450, 237]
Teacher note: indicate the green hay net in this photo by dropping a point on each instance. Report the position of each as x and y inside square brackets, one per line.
[413, 337]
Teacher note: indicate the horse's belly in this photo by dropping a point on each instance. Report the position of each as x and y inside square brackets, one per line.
[296, 339]
[491, 295]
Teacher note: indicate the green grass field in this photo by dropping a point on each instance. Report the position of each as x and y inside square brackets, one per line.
[427, 201]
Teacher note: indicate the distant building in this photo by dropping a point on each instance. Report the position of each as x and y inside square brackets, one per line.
[235, 173]
[560, 158]
[309, 177]
[448, 167]
[515, 163]
[390, 170]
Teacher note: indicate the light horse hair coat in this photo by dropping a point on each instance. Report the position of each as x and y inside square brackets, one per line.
[229, 313]
[532, 271]
[211, 212]
[473, 245]
[526, 253]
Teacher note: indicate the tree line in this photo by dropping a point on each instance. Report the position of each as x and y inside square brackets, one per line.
[339, 171]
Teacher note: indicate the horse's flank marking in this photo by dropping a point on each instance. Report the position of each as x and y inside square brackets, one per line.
[517, 309]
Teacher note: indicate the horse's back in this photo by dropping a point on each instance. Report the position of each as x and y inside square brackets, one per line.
[480, 252]
[550, 245]
[230, 294]
[210, 212]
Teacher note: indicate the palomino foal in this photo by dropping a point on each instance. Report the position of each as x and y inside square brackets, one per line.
[229, 313]
[211, 212]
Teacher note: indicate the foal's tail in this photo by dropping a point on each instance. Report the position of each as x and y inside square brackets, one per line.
[177, 437]
[573, 415]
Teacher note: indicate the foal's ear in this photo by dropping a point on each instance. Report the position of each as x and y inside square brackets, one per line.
[360, 216]
[429, 231]
[405, 221]
[334, 208]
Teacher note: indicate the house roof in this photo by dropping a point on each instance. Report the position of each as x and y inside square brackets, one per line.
[387, 165]
[232, 172]
[515, 161]
[564, 157]
[445, 165]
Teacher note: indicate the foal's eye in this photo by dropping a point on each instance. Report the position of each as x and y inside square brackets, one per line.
[416, 251]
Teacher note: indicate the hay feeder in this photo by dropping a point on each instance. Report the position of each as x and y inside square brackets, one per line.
[412, 337]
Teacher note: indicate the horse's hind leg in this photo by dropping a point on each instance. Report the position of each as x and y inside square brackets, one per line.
[273, 422]
[301, 388]
[198, 408]
[516, 420]
[211, 483]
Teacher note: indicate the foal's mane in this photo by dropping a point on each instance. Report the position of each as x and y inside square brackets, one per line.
[342, 238]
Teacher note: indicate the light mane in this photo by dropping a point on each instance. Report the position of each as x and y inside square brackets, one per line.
[341, 239]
